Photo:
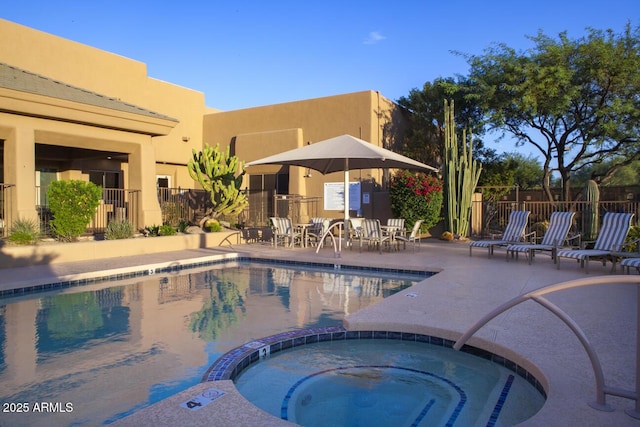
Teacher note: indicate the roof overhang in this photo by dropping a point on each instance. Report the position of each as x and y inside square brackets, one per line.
[35, 105]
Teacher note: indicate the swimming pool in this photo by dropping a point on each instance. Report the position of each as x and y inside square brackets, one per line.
[381, 379]
[105, 350]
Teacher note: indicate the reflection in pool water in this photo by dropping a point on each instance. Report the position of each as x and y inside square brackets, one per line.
[112, 348]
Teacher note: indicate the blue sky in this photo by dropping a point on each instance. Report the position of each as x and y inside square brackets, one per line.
[250, 53]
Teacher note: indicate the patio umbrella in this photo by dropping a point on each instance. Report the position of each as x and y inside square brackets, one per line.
[342, 153]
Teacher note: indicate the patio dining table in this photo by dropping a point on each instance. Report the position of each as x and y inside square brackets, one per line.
[391, 231]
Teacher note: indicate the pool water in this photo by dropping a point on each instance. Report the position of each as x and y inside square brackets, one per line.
[106, 350]
[387, 383]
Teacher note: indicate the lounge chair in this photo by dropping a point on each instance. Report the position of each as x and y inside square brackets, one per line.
[615, 227]
[513, 233]
[628, 263]
[414, 237]
[556, 235]
[372, 234]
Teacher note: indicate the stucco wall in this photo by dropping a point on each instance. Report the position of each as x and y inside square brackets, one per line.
[254, 133]
[115, 76]
[20, 256]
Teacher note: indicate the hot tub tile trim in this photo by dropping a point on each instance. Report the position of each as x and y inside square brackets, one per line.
[232, 363]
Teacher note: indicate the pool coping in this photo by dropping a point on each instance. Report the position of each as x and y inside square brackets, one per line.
[31, 286]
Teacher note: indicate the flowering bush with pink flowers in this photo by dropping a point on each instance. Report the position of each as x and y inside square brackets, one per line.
[414, 196]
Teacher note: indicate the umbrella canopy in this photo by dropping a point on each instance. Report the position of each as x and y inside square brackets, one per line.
[342, 153]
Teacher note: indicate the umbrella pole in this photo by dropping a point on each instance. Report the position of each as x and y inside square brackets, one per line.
[346, 202]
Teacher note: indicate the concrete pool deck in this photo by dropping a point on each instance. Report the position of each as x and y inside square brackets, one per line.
[444, 305]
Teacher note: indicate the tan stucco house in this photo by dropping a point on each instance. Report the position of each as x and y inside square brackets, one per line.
[71, 111]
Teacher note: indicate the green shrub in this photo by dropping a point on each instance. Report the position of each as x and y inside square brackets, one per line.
[119, 230]
[540, 228]
[634, 234]
[152, 230]
[166, 230]
[183, 225]
[73, 204]
[416, 196]
[24, 232]
[213, 225]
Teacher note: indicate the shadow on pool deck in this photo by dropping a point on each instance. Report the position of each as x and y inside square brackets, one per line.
[445, 305]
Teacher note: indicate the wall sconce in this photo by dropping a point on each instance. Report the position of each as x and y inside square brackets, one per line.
[185, 139]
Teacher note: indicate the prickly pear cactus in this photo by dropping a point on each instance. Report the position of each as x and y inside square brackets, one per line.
[221, 176]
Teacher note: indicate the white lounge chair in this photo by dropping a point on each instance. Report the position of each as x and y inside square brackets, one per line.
[556, 235]
[513, 233]
[615, 227]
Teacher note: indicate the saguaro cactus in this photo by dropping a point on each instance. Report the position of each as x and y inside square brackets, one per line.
[221, 176]
[592, 197]
[461, 174]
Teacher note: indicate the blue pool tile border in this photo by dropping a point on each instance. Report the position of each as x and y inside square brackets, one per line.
[232, 363]
[177, 267]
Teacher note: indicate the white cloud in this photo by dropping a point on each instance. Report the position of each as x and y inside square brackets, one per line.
[374, 37]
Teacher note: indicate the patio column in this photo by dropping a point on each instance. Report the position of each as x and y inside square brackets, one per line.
[142, 176]
[19, 169]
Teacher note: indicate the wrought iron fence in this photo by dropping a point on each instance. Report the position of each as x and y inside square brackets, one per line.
[261, 207]
[299, 208]
[116, 205]
[264, 204]
[182, 205]
[495, 215]
[6, 197]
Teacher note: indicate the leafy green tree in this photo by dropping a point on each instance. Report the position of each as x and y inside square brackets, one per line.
[73, 204]
[607, 175]
[575, 100]
[509, 169]
[220, 174]
[424, 139]
[415, 196]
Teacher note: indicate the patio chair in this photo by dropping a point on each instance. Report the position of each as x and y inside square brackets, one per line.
[355, 230]
[556, 235]
[318, 227]
[283, 232]
[397, 223]
[414, 237]
[513, 233]
[372, 234]
[615, 227]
